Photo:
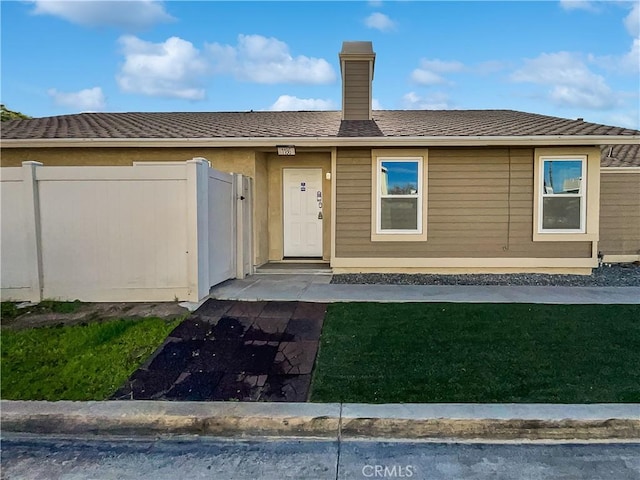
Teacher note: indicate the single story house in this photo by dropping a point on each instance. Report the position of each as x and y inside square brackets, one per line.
[389, 191]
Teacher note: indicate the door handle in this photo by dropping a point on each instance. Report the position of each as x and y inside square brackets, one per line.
[319, 215]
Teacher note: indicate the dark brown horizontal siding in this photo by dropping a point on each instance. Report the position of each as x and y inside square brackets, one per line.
[620, 213]
[480, 204]
[356, 90]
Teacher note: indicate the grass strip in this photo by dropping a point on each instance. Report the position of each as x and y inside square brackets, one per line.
[452, 352]
[79, 362]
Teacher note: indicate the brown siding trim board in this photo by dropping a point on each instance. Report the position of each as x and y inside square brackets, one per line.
[580, 266]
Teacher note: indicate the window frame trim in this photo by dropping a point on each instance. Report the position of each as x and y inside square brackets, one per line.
[582, 195]
[592, 194]
[417, 196]
[399, 155]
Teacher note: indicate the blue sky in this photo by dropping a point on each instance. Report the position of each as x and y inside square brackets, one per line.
[564, 58]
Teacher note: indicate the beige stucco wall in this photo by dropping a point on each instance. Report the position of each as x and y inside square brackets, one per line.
[261, 210]
[480, 205]
[620, 212]
[275, 165]
[224, 159]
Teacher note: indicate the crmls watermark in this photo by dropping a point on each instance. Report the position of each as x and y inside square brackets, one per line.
[389, 471]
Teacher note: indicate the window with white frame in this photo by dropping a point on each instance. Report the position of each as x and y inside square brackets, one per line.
[562, 200]
[399, 196]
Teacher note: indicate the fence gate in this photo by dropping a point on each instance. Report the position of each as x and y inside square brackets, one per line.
[222, 227]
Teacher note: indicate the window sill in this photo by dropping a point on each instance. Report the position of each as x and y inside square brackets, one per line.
[565, 237]
[399, 237]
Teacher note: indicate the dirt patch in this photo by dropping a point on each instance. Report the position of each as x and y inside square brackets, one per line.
[234, 351]
[32, 316]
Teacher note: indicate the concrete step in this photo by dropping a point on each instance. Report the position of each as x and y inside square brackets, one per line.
[297, 268]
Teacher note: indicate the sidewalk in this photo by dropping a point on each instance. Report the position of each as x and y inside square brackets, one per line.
[317, 288]
[499, 422]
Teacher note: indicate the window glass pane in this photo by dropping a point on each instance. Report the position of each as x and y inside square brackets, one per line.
[562, 176]
[399, 214]
[399, 178]
[561, 213]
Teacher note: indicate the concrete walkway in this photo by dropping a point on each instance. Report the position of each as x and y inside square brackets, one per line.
[317, 288]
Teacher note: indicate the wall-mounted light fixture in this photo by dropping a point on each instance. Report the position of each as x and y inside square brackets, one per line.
[327, 175]
[286, 150]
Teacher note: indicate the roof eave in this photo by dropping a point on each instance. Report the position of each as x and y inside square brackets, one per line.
[248, 142]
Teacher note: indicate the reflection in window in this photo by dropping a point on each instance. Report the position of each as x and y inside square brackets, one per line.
[399, 202]
[563, 195]
[562, 176]
[399, 178]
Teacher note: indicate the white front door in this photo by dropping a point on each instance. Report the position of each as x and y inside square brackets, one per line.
[302, 215]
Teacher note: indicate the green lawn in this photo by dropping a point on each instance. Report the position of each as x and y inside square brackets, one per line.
[80, 362]
[390, 353]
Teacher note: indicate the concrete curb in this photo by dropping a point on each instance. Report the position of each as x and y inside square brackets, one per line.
[332, 420]
[493, 421]
[159, 417]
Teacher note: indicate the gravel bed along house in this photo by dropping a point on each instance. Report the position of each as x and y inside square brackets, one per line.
[607, 275]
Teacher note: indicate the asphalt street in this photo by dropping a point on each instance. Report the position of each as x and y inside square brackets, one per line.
[55, 457]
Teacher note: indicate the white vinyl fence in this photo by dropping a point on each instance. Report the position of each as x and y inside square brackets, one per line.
[151, 232]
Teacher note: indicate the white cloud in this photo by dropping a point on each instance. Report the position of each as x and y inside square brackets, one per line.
[630, 62]
[424, 77]
[442, 66]
[128, 15]
[632, 21]
[173, 68]
[578, 5]
[375, 3]
[628, 120]
[435, 101]
[290, 103]
[626, 63]
[89, 99]
[430, 71]
[598, 97]
[268, 60]
[379, 21]
[571, 83]
[376, 105]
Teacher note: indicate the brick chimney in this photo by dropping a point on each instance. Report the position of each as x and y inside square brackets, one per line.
[357, 60]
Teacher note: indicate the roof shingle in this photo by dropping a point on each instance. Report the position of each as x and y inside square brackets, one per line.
[385, 123]
[620, 156]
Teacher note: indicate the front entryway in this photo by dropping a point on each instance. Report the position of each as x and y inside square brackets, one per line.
[303, 212]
